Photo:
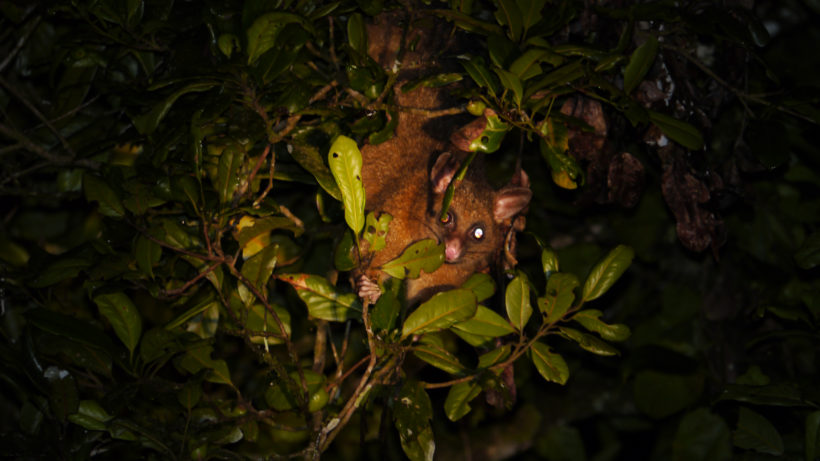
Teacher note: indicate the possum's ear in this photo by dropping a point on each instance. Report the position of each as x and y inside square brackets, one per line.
[442, 173]
[509, 201]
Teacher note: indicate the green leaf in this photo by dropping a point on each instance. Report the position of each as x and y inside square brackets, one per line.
[432, 81]
[199, 358]
[149, 121]
[480, 74]
[563, 442]
[639, 63]
[322, 299]
[489, 139]
[702, 435]
[228, 174]
[426, 255]
[588, 342]
[227, 43]
[808, 255]
[565, 172]
[441, 311]
[375, 230]
[357, 34]
[261, 325]
[147, 253]
[485, 323]
[679, 131]
[265, 29]
[528, 65]
[559, 296]
[280, 397]
[91, 415]
[549, 262]
[561, 76]
[550, 365]
[412, 412]
[345, 162]
[511, 82]
[755, 432]
[457, 404]
[530, 12]
[437, 356]
[190, 394]
[96, 190]
[660, 395]
[590, 319]
[308, 156]
[508, 14]
[387, 309]
[493, 357]
[123, 316]
[517, 301]
[12, 253]
[481, 284]
[258, 269]
[63, 398]
[812, 434]
[344, 256]
[606, 272]
[60, 270]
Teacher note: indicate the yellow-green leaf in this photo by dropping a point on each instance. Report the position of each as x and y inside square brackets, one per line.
[345, 162]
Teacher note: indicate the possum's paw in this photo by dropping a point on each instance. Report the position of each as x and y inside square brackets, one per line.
[368, 289]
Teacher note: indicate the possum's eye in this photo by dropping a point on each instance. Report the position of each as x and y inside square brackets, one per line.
[477, 233]
[447, 220]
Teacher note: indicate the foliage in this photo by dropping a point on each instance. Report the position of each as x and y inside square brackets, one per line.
[176, 176]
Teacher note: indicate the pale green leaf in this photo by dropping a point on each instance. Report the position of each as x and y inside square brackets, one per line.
[345, 162]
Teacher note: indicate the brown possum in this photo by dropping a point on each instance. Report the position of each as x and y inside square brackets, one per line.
[407, 176]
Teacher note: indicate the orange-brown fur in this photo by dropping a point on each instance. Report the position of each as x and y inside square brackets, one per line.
[405, 175]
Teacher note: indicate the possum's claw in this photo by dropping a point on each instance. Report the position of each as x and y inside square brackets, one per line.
[368, 289]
